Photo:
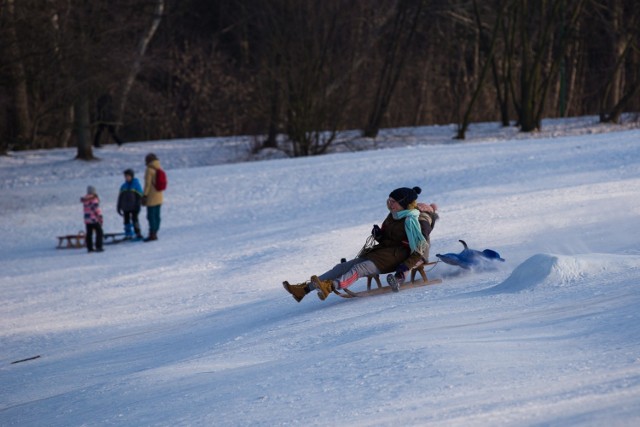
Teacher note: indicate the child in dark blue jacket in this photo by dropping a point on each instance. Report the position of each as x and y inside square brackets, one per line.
[129, 202]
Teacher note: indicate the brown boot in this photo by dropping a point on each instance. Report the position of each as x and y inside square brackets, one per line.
[297, 291]
[324, 287]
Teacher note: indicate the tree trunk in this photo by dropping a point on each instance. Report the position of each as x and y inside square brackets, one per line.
[20, 90]
[67, 132]
[619, 48]
[82, 128]
[621, 44]
[616, 111]
[137, 63]
[393, 65]
[542, 55]
[274, 109]
[462, 129]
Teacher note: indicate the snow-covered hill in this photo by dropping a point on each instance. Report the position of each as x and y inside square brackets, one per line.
[195, 329]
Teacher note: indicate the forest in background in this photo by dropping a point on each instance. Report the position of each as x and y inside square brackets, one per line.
[302, 71]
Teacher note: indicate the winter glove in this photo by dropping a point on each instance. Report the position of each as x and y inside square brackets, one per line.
[376, 232]
[144, 201]
[400, 273]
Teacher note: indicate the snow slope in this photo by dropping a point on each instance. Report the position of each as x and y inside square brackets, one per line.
[195, 329]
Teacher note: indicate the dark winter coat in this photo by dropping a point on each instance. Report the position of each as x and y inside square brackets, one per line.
[393, 245]
[130, 197]
[104, 111]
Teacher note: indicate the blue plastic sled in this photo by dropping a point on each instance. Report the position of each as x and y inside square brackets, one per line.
[469, 257]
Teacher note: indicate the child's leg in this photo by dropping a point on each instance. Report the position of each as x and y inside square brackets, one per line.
[136, 224]
[89, 236]
[153, 215]
[128, 227]
[150, 218]
[99, 236]
[346, 273]
[361, 269]
[157, 218]
[339, 269]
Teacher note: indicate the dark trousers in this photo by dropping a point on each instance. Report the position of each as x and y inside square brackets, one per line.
[131, 217]
[99, 236]
[112, 132]
[153, 215]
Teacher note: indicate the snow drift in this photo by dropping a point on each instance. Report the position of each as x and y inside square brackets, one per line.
[556, 271]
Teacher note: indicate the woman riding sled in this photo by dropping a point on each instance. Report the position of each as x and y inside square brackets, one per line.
[402, 242]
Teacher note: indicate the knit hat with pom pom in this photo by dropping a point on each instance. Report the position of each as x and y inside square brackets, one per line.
[404, 196]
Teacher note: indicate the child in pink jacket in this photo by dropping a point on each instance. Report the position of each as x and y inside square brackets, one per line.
[92, 218]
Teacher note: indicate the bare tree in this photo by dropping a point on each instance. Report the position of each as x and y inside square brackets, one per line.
[400, 34]
[82, 128]
[488, 46]
[501, 69]
[542, 47]
[143, 44]
[307, 69]
[20, 90]
[621, 20]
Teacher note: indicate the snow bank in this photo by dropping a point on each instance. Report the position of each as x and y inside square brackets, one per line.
[553, 271]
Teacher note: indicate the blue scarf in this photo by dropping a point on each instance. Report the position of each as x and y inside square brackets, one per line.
[417, 242]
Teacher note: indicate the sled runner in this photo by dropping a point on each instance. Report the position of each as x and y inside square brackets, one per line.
[415, 270]
[386, 289]
[111, 238]
[73, 241]
[346, 293]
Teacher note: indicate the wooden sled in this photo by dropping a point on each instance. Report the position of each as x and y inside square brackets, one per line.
[73, 241]
[385, 289]
[415, 270]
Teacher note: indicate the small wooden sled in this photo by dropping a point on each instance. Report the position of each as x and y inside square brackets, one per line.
[73, 241]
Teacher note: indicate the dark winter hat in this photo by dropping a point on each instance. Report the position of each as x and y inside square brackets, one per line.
[91, 190]
[129, 172]
[150, 158]
[404, 196]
